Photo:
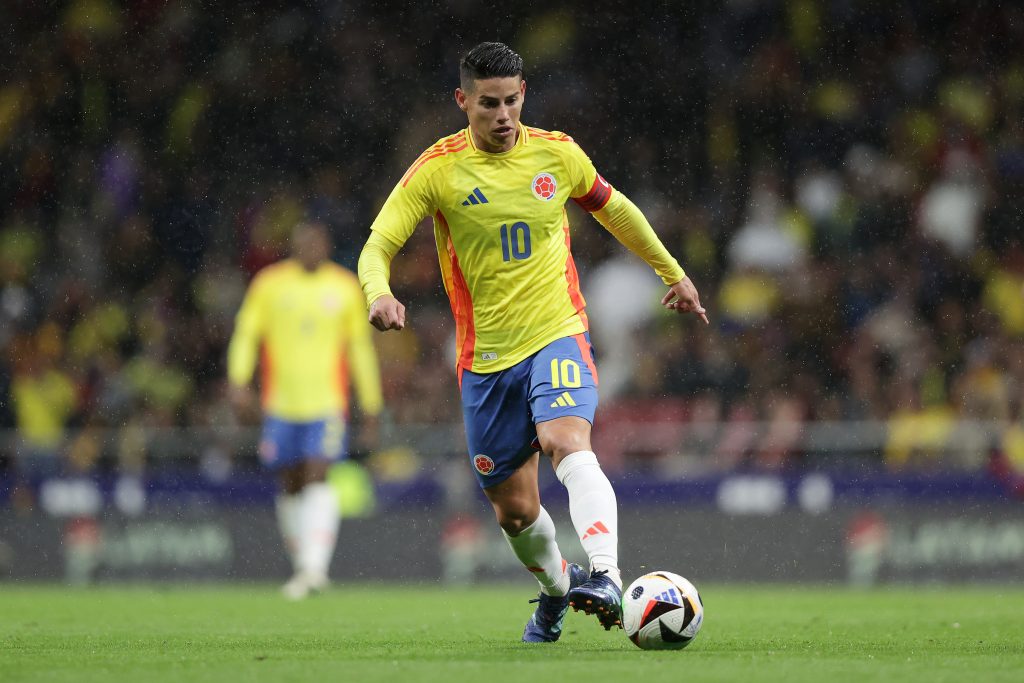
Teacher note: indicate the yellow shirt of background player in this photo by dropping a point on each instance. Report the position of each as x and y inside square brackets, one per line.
[313, 331]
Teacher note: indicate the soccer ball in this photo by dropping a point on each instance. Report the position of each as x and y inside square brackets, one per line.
[662, 611]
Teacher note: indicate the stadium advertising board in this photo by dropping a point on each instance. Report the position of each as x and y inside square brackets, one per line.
[886, 543]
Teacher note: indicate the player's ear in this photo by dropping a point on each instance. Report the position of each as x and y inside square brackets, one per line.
[522, 88]
[460, 98]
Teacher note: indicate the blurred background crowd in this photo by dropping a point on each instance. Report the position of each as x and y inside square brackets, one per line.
[843, 181]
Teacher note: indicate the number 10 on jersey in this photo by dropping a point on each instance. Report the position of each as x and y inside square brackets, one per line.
[515, 242]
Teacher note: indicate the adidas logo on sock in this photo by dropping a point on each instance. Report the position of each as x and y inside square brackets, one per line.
[597, 528]
[564, 401]
[476, 197]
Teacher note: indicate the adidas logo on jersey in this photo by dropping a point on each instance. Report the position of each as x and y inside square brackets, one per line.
[476, 197]
[564, 401]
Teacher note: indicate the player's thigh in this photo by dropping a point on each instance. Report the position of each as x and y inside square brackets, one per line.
[314, 470]
[324, 439]
[292, 478]
[301, 452]
[280, 443]
[564, 435]
[321, 443]
[499, 426]
[563, 384]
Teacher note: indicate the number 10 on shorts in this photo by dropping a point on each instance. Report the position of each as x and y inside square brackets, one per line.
[565, 374]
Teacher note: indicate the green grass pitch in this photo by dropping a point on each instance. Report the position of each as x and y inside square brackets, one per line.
[398, 633]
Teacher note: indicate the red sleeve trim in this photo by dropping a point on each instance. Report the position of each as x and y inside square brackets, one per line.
[599, 194]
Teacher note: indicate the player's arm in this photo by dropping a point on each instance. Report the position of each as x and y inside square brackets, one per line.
[627, 223]
[408, 203]
[243, 348]
[386, 312]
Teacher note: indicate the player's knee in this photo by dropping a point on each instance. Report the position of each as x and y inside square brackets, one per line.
[513, 526]
[516, 514]
[291, 480]
[559, 443]
[314, 472]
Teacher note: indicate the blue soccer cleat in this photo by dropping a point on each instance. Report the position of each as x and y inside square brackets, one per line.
[545, 626]
[599, 595]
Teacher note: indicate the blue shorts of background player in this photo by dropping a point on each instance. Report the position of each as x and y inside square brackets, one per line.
[284, 443]
[501, 409]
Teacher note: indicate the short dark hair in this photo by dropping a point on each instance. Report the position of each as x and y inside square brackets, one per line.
[489, 60]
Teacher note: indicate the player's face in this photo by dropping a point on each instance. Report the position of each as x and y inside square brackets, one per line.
[493, 106]
[311, 245]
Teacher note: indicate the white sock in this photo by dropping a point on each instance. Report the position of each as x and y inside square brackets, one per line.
[593, 510]
[287, 507]
[536, 548]
[318, 519]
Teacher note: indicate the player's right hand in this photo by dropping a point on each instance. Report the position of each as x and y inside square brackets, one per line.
[243, 400]
[387, 313]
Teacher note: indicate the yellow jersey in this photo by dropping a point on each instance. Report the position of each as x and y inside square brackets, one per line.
[502, 238]
[311, 328]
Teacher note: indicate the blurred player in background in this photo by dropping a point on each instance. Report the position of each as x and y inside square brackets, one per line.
[496, 191]
[309, 317]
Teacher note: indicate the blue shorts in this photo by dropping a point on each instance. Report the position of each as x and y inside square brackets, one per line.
[501, 409]
[285, 443]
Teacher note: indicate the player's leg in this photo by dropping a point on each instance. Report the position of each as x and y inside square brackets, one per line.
[564, 399]
[530, 533]
[528, 527]
[318, 513]
[287, 505]
[594, 513]
[278, 451]
[318, 523]
[592, 503]
[498, 433]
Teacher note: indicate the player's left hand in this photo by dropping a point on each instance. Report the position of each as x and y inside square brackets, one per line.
[682, 297]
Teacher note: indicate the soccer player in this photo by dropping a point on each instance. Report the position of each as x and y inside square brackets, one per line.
[496, 191]
[309, 316]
